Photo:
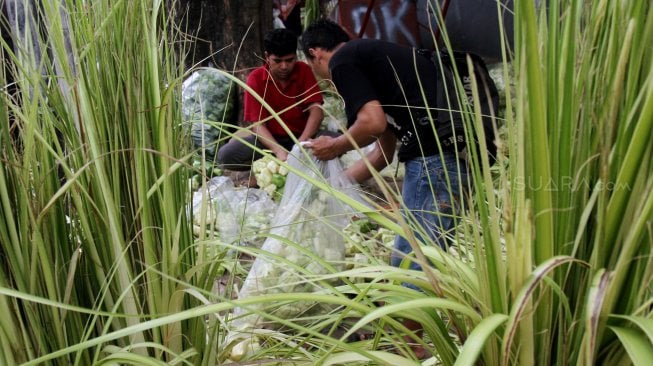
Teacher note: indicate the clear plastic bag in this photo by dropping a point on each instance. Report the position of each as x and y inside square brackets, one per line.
[238, 215]
[208, 96]
[306, 240]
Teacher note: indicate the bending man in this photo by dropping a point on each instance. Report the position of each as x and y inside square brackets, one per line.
[391, 93]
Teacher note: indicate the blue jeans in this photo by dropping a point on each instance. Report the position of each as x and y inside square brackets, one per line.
[431, 195]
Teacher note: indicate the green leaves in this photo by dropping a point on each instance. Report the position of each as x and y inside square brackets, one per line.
[576, 187]
[638, 341]
[95, 123]
[478, 338]
[96, 239]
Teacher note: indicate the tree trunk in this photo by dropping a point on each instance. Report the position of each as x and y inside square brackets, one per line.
[226, 34]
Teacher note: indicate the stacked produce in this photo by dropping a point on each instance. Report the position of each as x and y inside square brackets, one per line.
[231, 214]
[270, 176]
[367, 243]
[306, 240]
[202, 171]
[208, 98]
[334, 111]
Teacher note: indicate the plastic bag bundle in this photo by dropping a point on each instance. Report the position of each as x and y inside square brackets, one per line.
[241, 215]
[208, 96]
[306, 240]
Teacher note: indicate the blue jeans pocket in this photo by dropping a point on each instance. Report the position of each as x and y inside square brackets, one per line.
[431, 191]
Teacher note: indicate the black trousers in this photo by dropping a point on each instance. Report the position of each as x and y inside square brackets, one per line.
[238, 155]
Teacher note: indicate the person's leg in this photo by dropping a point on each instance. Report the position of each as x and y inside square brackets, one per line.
[430, 198]
[431, 191]
[416, 328]
[237, 155]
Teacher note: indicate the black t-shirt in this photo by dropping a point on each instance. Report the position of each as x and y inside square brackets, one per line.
[404, 81]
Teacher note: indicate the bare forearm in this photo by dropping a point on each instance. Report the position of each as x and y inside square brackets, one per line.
[357, 136]
[378, 158]
[266, 138]
[370, 125]
[313, 122]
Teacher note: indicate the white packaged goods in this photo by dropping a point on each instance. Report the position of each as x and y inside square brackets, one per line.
[237, 214]
[306, 240]
[208, 103]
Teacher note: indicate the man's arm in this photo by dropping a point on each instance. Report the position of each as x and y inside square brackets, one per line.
[254, 111]
[315, 115]
[370, 125]
[380, 157]
[270, 142]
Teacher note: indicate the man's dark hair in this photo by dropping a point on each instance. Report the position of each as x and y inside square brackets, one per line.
[280, 42]
[322, 33]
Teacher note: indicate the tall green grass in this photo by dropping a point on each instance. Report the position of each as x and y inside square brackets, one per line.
[574, 194]
[584, 77]
[93, 197]
[552, 266]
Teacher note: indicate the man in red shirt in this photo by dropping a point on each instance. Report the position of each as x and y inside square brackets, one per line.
[289, 88]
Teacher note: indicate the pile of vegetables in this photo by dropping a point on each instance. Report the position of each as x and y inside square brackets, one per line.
[208, 98]
[232, 214]
[303, 246]
[306, 241]
[333, 107]
[366, 242]
[202, 170]
[270, 176]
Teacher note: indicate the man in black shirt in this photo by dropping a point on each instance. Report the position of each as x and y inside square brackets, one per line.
[391, 93]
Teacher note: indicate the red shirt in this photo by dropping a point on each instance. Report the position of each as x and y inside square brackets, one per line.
[301, 88]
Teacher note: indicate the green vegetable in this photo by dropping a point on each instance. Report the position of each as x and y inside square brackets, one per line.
[270, 176]
[364, 226]
[245, 348]
[232, 214]
[208, 96]
[365, 239]
[305, 241]
[278, 180]
[298, 223]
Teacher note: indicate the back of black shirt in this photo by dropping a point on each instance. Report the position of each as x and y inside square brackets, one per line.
[402, 80]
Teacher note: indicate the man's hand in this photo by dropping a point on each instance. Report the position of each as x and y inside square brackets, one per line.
[266, 138]
[369, 125]
[324, 147]
[281, 154]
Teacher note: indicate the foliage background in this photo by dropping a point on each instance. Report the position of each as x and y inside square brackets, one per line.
[99, 263]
